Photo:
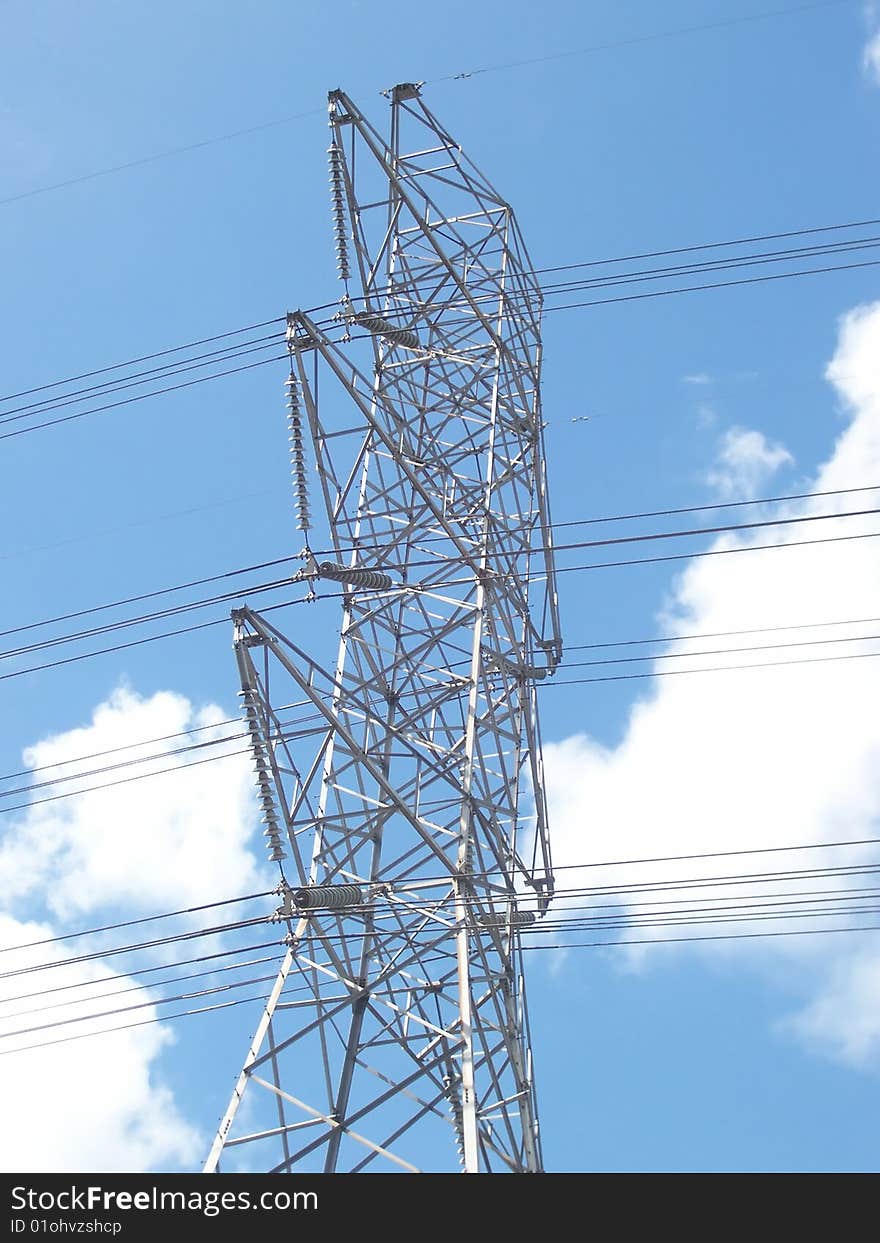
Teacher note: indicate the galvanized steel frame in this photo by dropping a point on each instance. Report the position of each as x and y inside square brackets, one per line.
[416, 779]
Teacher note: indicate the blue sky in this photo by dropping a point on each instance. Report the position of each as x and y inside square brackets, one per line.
[689, 1060]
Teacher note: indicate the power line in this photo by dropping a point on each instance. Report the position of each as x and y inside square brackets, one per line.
[238, 349]
[693, 531]
[81, 774]
[413, 587]
[698, 246]
[702, 27]
[706, 267]
[144, 358]
[141, 379]
[151, 375]
[621, 890]
[678, 673]
[703, 266]
[137, 1005]
[142, 971]
[746, 280]
[721, 651]
[316, 717]
[715, 634]
[68, 418]
[113, 951]
[711, 552]
[148, 595]
[568, 924]
[574, 926]
[723, 880]
[737, 901]
[157, 155]
[277, 122]
[286, 560]
[225, 1005]
[178, 768]
[695, 509]
[109, 785]
[135, 988]
[524, 949]
[721, 854]
[143, 742]
[739, 936]
[130, 923]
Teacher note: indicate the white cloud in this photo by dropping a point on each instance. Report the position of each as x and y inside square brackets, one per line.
[745, 461]
[697, 377]
[731, 761]
[166, 841]
[92, 1104]
[844, 1019]
[173, 840]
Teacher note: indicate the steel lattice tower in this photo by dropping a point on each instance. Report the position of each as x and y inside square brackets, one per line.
[402, 791]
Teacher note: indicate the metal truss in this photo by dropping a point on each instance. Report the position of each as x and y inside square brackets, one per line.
[402, 789]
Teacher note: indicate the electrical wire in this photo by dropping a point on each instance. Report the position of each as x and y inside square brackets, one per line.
[131, 923]
[286, 560]
[677, 673]
[551, 943]
[413, 587]
[461, 75]
[143, 971]
[715, 634]
[706, 267]
[709, 552]
[135, 988]
[238, 349]
[698, 246]
[225, 1005]
[622, 890]
[142, 378]
[127, 401]
[316, 718]
[80, 774]
[526, 948]
[745, 280]
[165, 634]
[152, 1003]
[715, 505]
[523, 949]
[398, 289]
[635, 40]
[143, 742]
[570, 647]
[145, 358]
[112, 951]
[568, 924]
[720, 651]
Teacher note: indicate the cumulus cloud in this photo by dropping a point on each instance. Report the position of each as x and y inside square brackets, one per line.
[172, 840]
[758, 758]
[746, 461]
[844, 1018]
[92, 1104]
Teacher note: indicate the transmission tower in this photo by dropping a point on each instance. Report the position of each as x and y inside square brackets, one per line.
[402, 789]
